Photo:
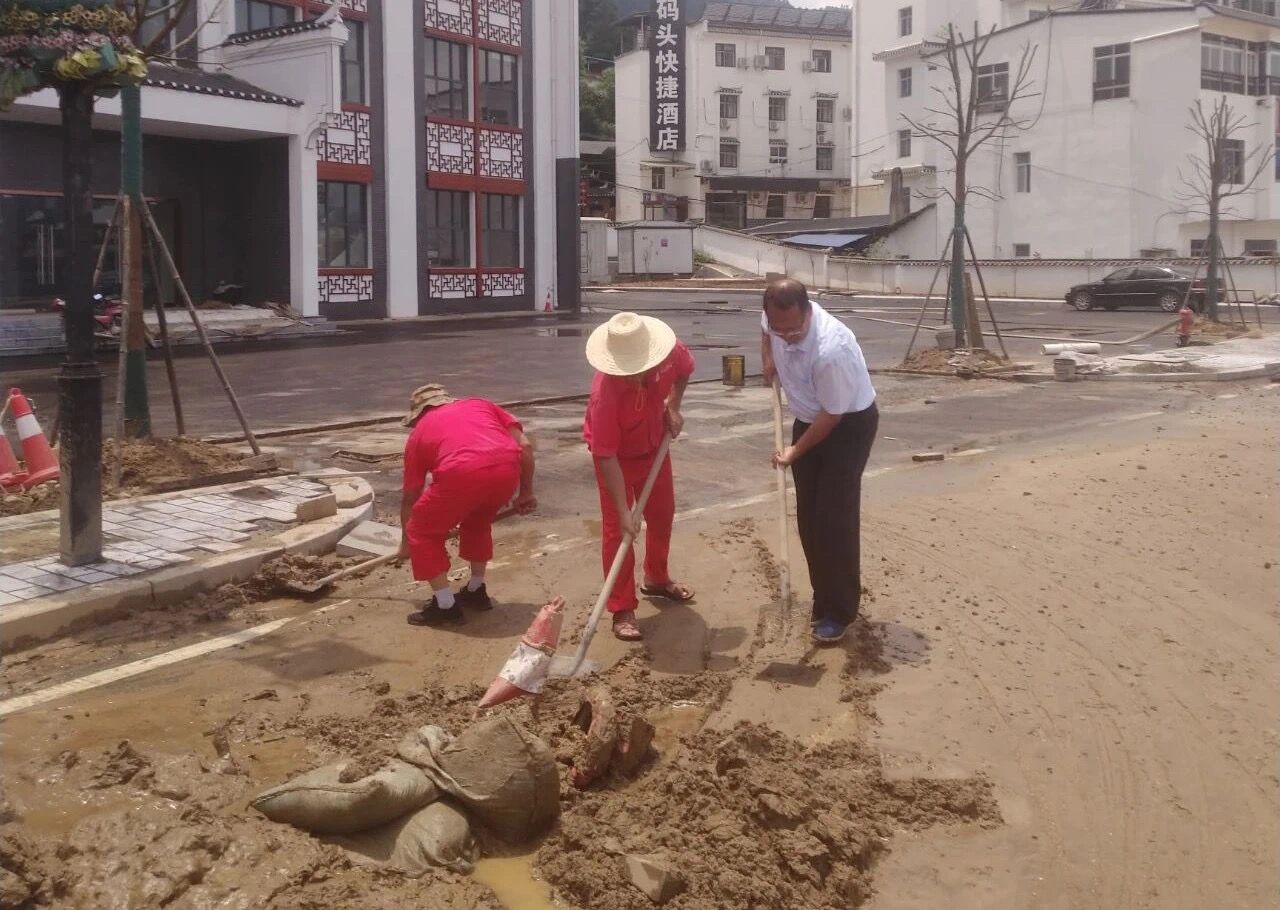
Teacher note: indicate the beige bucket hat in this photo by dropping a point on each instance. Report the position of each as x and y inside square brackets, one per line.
[423, 397]
[629, 344]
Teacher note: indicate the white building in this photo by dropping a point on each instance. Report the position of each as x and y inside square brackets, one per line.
[766, 113]
[1098, 174]
[357, 158]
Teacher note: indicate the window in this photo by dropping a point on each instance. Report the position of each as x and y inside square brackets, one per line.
[344, 225]
[904, 21]
[1022, 171]
[822, 61]
[775, 58]
[1022, 251]
[826, 111]
[448, 229]
[777, 107]
[658, 178]
[1231, 161]
[252, 15]
[821, 206]
[825, 159]
[352, 62]
[1198, 246]
[1222, 63]
[726, 55]
[1265, 7]
[777, 153]
[500, 231]
[728, 153]
[728, 107]
[904, 82]
[1111, 72]
[993, 87]
[446, 81]
[904, 143]
[1259, 247]
[498, 81]
[776, 207]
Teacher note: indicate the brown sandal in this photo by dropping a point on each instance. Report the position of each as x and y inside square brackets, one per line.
[625, 628]
[671, 590]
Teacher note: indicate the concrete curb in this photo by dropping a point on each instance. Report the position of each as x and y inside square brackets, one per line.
[61, 614]
[1262, 372]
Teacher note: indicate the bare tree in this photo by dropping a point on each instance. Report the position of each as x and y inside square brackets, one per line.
[974, 106]
[1219, 170]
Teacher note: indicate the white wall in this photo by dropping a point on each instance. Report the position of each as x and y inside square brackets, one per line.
[1004, 278]
[1105, 174]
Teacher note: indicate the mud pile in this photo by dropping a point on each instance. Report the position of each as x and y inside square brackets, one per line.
[161, 458]
[751, 819]
[935, 360]
[36, 499]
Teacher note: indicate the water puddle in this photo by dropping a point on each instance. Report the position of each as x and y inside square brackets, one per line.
[513, 881]
[671, 723]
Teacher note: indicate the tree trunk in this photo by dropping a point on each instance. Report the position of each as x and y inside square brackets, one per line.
[955, 286]
[80, 380]
[137, 410]
[1214, 251]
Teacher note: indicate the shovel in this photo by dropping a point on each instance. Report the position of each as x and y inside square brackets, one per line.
[784, 560]
[565, 667]
[311, 587]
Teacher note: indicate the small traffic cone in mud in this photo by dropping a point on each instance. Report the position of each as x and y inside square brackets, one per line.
[42, 464]
[525, 671]
[11, 473]
[547, 307]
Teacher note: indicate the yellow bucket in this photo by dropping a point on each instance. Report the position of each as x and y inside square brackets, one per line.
[733, 369]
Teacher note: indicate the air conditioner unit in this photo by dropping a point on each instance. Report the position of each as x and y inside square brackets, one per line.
[775, 126]
[847, 113]
[726, 123]
[806, 66]
[744, 63]
[704, 166]
[758, 61]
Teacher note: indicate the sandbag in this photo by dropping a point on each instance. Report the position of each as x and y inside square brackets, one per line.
[503, 774]
[321, 803]
[438, 835]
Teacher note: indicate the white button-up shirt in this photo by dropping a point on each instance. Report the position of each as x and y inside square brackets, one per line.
[824, 371]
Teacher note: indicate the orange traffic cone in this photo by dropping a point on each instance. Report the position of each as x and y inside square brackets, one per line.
[525, 671]
[42, 465]
[11, 473]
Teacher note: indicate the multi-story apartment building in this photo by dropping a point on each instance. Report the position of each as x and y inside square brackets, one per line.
[357, 158]
[1099, 171]
[763, 114]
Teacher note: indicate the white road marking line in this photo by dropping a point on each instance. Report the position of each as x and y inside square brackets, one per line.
[147, 664]
[1128, 418]
[968, 453]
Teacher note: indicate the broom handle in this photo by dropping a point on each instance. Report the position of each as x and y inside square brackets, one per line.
[785, 568]
[620, 557]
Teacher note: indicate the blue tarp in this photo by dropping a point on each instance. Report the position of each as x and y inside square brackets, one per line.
[835, 241]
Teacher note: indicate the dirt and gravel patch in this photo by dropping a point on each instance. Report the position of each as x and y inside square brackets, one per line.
[934, 361]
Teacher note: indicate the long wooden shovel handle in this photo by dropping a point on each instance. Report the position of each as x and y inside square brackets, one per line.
[619, 558]
[358, 567]
[784, 531]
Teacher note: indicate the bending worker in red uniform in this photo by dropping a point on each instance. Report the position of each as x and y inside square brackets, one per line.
[642, 371]
[478, 458]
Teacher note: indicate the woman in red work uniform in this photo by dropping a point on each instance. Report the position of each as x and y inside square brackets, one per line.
[642, 371]
[478, 458]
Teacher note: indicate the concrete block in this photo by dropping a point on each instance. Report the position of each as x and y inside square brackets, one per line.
[655, 875]
[55, 614]
[316, 508]
[370, 538]
[349, 495]
[929, 456]
[323, 536]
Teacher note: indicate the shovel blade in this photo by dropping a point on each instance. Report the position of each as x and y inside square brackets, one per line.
[562, 668]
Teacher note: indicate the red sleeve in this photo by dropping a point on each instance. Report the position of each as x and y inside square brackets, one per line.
[603, 427]
[415, 464]
[507, 419]
[683, 361]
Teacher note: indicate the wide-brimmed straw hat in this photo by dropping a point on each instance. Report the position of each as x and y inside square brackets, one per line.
[629, 344]
[423, 397]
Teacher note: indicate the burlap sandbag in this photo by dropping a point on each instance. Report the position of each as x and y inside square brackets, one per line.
[320, 803]
[439, 835]
[503, 774]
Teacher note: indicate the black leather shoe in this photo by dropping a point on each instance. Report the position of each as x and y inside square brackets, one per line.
[475, 600]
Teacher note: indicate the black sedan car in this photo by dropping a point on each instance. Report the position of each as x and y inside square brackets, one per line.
[1143, 285]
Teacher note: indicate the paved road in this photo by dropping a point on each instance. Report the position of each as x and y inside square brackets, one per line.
[371, 369]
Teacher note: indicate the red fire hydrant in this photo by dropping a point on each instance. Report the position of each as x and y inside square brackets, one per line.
[1186, 319]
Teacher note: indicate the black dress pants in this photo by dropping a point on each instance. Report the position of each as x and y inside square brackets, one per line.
[828, 482]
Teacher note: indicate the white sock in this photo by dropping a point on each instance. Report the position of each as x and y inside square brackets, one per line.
[444, 599]
[476, 582]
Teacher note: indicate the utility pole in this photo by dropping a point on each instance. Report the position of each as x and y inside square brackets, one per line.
[137, 411]
[80, 380]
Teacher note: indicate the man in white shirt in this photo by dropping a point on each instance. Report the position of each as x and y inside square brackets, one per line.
[817, 360]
